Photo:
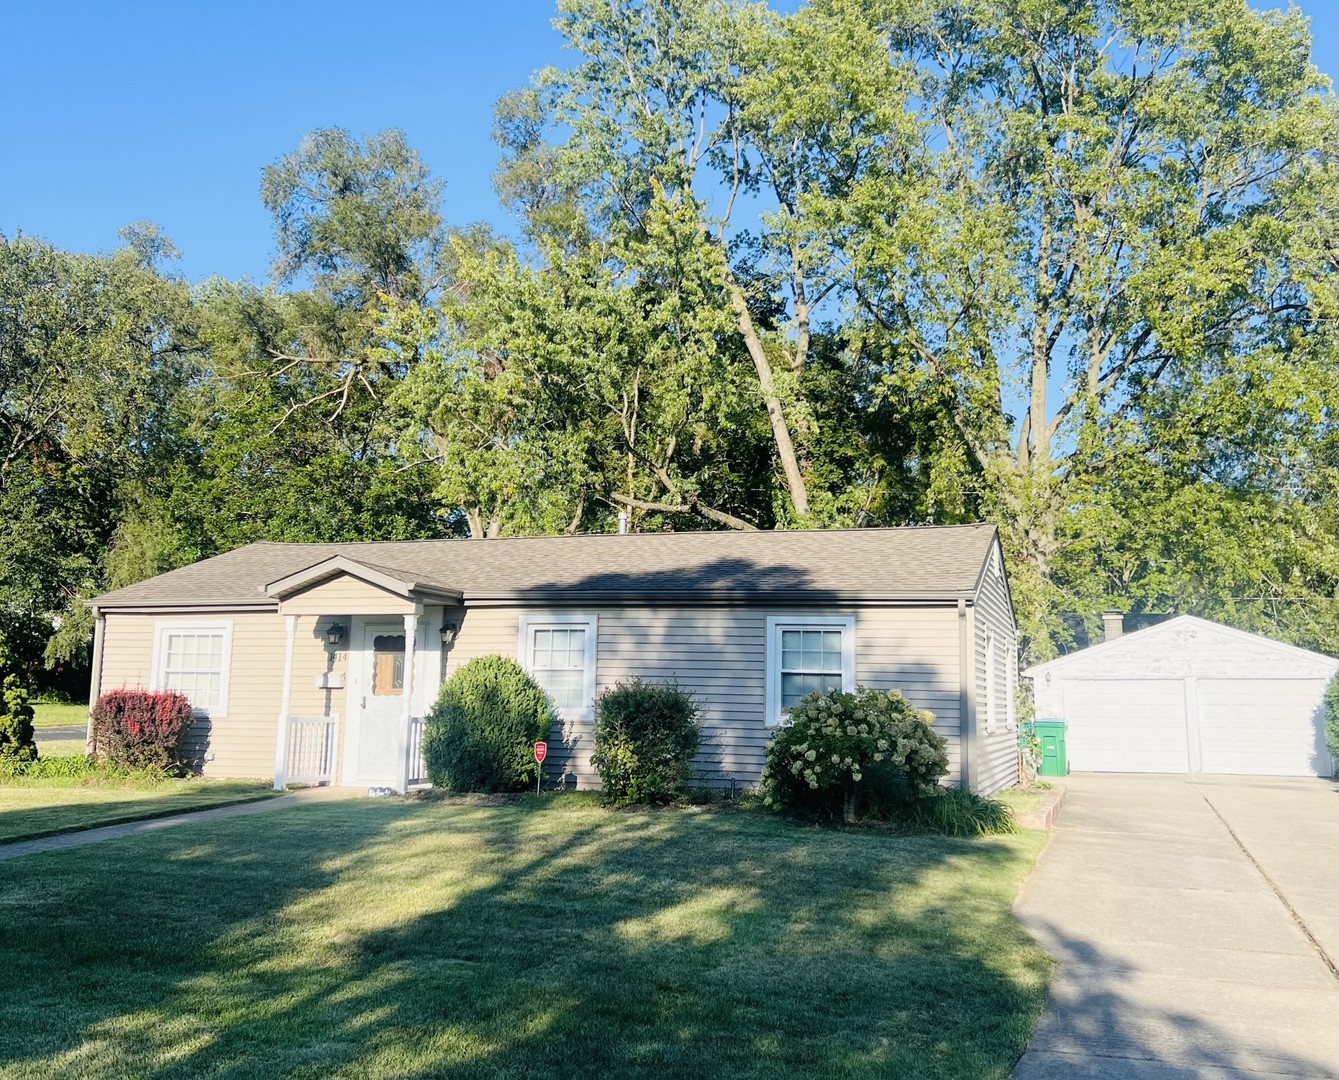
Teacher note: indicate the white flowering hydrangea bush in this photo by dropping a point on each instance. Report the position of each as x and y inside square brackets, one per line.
[851, 753]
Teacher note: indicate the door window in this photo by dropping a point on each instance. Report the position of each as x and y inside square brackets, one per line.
[388, 665]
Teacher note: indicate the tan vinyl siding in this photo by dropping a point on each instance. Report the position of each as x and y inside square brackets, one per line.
[348, 595]
[242, 743]
[716, 654]
[995, 753]
[486, 631]
[915, 650]
[719, 655]
[312, 656]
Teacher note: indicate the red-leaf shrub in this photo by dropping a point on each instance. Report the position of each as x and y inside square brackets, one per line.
[137, 729]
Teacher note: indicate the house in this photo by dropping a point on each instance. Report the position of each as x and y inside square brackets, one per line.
[317, 662]
[1189, 696]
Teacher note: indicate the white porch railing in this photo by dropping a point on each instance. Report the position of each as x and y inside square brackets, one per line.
[417, 771]
[311, 749]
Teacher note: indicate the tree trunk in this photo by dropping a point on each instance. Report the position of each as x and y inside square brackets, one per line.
[851, 805]
[474, 516]
[785, 446]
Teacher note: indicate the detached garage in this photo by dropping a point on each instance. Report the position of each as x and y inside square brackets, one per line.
[1189, 695]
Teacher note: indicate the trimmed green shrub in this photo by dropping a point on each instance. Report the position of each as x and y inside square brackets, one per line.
[141, 729]
[645, 738]
[849, 754]
[959, 812]
[1332, 718]
[16, 715]
[481, 734]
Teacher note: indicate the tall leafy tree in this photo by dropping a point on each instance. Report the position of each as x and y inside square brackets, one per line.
[94, 351]
[1106, 228]
[1045, 236]
[700, 103]
[294, 434]
[600, 378]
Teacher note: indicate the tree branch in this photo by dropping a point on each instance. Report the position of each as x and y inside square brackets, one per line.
[689, 506]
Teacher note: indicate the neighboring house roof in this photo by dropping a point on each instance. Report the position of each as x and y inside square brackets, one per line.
[922, 563]
[1168, 636]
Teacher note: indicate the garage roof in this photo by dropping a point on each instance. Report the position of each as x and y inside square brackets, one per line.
[1160, 644]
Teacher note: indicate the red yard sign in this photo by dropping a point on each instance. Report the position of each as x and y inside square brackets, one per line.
[541, 751]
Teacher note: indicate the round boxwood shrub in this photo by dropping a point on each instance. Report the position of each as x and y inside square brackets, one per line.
[481, 734]
[645, 737]
[841, 753]
[16, 715]
[141, 729]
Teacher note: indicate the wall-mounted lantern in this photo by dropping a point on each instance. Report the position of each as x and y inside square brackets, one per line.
[334, 634]
[449, 632]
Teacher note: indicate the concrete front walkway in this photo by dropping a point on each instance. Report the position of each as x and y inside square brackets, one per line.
[1195, 925]
[300, 797]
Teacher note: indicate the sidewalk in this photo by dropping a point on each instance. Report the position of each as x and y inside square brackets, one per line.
[301, 797]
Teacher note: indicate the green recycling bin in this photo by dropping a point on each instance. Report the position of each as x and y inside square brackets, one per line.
[1054, 756]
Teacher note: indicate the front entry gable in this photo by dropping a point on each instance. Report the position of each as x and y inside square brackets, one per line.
[351, 587]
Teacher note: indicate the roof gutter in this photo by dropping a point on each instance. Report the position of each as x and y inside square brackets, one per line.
[772, 596]
[570, 596]
[263, 603]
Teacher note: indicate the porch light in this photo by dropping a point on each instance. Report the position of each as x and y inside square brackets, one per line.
[335, 633]
[449, 632]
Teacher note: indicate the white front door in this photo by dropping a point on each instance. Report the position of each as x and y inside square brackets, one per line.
[377, 703]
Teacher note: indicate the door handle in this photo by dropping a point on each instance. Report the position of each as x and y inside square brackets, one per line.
[364, 701]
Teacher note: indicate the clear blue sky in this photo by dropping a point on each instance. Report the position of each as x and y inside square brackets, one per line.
[167, 111]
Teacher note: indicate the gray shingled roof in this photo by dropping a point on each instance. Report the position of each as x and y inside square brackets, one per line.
[907, 563]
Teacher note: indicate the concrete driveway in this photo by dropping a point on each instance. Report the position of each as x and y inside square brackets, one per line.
[1195, 924]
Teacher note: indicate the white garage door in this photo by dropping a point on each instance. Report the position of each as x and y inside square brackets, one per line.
[1268, 727]
[1126, 725]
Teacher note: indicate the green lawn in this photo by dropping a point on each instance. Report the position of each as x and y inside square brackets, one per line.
[42, 807]
[1019, 800]
[59, 747]
[50, 714]
[394, 938]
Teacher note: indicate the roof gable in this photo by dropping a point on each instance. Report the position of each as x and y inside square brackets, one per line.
[1169, 640]
[337, 565]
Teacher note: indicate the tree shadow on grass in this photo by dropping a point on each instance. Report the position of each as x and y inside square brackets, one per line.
[450, 939]
[29, 810]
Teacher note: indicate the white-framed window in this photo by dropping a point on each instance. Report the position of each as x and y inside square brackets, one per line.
[807, 654]
[559, 653]
[1011, 687]
[992, 681]
[194, 659]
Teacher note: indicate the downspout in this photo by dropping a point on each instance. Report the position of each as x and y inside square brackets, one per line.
[95, 676]
[966, 697]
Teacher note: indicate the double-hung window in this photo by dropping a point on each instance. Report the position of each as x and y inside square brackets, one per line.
[806, 655]
[193, 659]
[559, 653]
